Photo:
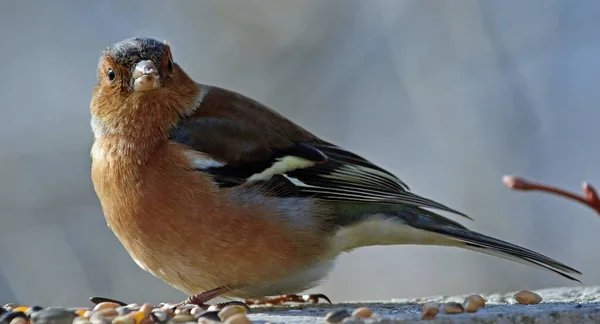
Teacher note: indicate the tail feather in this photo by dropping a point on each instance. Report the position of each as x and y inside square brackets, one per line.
[522, 260]
[489, 245]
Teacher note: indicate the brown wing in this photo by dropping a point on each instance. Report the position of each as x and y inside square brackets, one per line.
[258, 145]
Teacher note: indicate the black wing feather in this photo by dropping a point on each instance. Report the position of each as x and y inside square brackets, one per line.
[333, 173]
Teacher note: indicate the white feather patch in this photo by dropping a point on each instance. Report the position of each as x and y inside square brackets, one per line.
[204, 89]
[202, 161]
[98, 127]
[378, 230]
[283, 165]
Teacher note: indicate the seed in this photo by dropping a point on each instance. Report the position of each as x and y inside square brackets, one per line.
[32, 310]
[18, 320]
[337, 316]
[123, 319]
[146, 309]
[137, 316]
[470, 305]
[106, 305]
[182, 311]
[230, 310]
[362, 312]
[104, 314]
[527, 297]
[453, 308]
[478, 300]
[183, 318]
[430, 310]
[20, 309]
[159, 316]
[81, 320]
[196, 310]
[238, 319]
[10, 306]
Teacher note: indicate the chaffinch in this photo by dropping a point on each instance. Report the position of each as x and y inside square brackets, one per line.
[218, 195]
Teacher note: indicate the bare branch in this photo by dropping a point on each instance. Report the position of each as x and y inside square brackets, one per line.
[590, 195]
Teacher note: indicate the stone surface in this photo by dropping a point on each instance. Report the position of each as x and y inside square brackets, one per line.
[559, 305]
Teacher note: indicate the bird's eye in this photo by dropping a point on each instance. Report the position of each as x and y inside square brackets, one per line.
[111, 75]
[170, 64]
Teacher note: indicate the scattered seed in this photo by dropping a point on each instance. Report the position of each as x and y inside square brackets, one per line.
[146, 309]
[159, 316]
[196, 311]
[212, 316]
[453, 308]
[337, 316]
[53, 316]
[18, 320]
[229, 311]
[10, 306]
[137, 316]
[430, 310]
[477, 299]
[20, 309]
[81, 320]
[106, 305]
[182, 311]
[33, 309]
[9, 316]
[104, 315]
[527, 297]
[183, 318]
[362, 312]
[238, 319]
[123, 319]
[470, 306]
[98, 300]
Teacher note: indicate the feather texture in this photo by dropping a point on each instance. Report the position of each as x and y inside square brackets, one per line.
[259, 146]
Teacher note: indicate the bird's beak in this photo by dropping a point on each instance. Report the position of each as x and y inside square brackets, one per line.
[145, 76]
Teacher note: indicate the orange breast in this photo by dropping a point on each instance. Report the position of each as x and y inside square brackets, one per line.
[176, 224]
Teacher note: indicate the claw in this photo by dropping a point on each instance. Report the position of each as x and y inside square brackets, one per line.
[314, 298]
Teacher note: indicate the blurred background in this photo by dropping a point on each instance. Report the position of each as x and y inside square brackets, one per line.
[449, 95]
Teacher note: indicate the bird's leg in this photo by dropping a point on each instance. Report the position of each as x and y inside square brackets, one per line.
[311, 299]
[590, 195]
[202, 298]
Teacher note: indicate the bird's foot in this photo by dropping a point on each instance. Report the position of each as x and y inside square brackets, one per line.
[310, 299]
[197, 300]
[590, 195]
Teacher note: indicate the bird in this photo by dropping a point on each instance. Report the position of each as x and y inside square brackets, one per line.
[219, 195]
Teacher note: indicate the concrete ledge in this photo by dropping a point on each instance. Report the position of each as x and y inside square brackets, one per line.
[559, 305]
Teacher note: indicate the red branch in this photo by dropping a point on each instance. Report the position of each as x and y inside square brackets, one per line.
[590, 196]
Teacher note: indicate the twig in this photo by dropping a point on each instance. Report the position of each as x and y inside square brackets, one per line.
[590, 195]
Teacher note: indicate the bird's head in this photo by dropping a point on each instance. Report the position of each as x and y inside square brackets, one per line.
[138, 81]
